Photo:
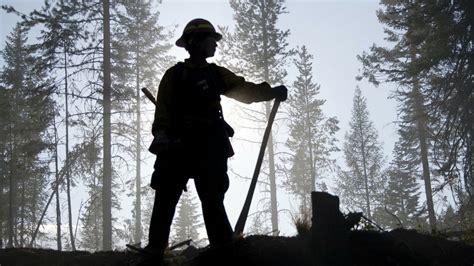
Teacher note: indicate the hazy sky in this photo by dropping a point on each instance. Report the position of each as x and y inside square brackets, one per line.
[335, 32]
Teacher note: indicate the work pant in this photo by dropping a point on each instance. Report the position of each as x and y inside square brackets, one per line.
[210, 178]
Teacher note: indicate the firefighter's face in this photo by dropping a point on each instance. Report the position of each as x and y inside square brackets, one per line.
[208, 46]
[202, 46]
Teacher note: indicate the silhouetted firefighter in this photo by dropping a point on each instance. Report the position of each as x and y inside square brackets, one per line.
[191, 138]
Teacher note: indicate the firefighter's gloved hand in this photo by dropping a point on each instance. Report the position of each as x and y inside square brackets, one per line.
[281, 93]
[162, 143]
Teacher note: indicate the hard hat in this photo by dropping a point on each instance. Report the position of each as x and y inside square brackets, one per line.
[197, 25]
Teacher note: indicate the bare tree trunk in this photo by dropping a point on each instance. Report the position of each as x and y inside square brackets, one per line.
[273, 191]
[95, 206]
[138, 216]
[107, 163]
[68, 177]
[271, 152]
[56, 189]
[310, 150]
[421, 128]
[2, 208]
[366, 182]
[11, 192]
[312, 163]
[470, 182]
[421, 120]
[34, 204]
[272, 175]
[22, 215]
[364, 165]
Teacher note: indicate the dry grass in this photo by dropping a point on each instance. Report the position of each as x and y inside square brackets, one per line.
[302, 222]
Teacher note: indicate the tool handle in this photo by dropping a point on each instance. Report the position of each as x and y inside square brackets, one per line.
[239, 226]
[149, 95]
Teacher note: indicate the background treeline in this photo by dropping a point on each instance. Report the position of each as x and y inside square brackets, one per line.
[72, 116]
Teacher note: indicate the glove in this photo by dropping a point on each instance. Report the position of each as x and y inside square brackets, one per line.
[281, 93]
[162, 143]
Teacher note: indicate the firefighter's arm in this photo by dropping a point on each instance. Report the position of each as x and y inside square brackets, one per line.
[163, 103]
[238, 88]
[161, 122]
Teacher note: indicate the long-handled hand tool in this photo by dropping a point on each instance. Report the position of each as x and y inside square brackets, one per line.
[149, 95]
[239, 226]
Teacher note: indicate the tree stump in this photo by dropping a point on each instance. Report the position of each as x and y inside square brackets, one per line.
[330, 236]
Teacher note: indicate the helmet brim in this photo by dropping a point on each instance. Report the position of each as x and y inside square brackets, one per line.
[181, 42]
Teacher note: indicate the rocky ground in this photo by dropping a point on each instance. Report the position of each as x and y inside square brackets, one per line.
[398, 247]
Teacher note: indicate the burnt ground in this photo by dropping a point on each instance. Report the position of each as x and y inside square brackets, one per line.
[398, 247]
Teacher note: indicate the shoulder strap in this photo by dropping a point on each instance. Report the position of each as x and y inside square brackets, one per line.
[218, 79]
[178, 73]
[220, 85]
[176, 81]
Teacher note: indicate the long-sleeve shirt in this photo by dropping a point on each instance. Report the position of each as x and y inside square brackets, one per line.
[231, 85]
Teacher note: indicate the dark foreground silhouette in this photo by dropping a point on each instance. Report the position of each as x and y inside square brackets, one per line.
[191, 137]
[398, 247]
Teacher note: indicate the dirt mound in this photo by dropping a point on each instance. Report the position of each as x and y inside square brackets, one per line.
[48, 257]
[398, 247]
[258, 250]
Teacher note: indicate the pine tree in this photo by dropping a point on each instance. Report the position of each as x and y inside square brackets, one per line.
[259, 51]
[187, 221]
[361, 185]
[70, 23]
[450, 220]
[401, 195]
[4, 127]
[86, 158]
[140, 55]
[90, 56]
[27, 92]
[59, 44]
[431, 60]
[107, 131]
[258, 225]
[311, 138]
[87, 17]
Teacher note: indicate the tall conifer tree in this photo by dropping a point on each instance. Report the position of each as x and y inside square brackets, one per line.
[140, 55]
[362, 184]
[260, 52]
[90, 56]
[187, 221]
[431, 61]
[402, 194]
[312, 137]
[28, 109]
